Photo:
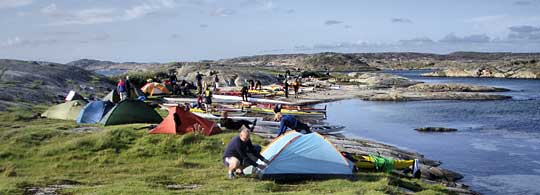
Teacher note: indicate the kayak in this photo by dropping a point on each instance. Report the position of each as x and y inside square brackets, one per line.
[195, 110]
[250, 99]
[214, 117]
[289, 107]
[193, 100]
[322, 129]
[286, 112]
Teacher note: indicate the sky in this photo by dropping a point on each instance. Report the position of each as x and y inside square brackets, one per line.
[193, 30]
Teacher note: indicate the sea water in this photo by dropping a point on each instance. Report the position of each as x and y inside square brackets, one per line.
[496, 147]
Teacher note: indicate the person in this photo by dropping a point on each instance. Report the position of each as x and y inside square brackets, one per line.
[236, 158]
[173, 80]
[258, 85]
[251, 84]
[385, 164]
[287, 73]
[228, 123]
[296, 87]
[208, 99]
[128, 88]
[289, 121]
[199, 78]
[216, 82]
[199, 102]
[286, 88]
[183, 87]
[121, 88]
[244, 92]
[277, 108]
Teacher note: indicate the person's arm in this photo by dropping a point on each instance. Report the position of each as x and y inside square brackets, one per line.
[282, 127]
[255, 153]
[243, 155]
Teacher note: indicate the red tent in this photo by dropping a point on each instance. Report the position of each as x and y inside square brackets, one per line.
[180, 121]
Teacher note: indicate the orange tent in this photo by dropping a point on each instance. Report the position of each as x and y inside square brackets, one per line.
[180, 121]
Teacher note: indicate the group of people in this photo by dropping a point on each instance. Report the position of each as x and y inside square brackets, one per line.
[296, 87]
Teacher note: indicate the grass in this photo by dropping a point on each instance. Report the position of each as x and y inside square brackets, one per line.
[123, 160]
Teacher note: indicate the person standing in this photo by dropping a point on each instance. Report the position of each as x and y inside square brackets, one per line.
[244, 93]
[173, 79]
[286, 88]
[296, 87]
[128, 88]
[121, 88]
[216, 82]
[208, 99]
[235, 156]
[199, 78]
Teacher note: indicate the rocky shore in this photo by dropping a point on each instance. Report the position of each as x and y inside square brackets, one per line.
[525, 73]
[431, 172]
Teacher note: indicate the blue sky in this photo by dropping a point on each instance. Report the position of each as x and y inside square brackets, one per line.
[190, 30]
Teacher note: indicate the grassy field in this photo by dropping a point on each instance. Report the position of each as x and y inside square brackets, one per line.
[126, 159]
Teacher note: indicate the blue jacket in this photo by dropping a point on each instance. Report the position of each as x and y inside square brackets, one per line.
[287, 121]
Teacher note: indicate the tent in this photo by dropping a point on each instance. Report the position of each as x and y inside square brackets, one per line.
[72, 95]
[94, 111]
[131, 111]
[296, 156]
[114, 96]
[154, 88]
[65, 111]
[180, 121]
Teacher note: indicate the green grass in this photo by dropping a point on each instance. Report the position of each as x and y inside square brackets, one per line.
[123, 160]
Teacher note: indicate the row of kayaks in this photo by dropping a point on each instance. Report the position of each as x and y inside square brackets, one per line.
[323, 129]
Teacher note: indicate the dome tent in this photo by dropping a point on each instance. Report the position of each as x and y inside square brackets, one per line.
[65, 111]
[131, 111]
[93, 112]
[296, 156]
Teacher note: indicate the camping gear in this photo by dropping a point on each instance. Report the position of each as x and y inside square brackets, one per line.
[192, 100]
[72, 95]
[131, 111]
[180, 121]
[154, 88]
[93, 112]
[296, 156]
[65, 111]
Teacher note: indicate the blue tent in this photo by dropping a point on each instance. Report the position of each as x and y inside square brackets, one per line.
[295, 156]
[94, 111]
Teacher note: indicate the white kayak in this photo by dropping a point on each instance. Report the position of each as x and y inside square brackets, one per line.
[214, 117]
[250, 99]
[193, 100]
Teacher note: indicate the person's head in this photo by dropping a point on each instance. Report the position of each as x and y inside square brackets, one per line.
[120, 80]
[224, 114]
[127, 77]
[244, 135]
[277, 116]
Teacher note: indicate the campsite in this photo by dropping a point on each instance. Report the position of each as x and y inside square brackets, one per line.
[169, 143]
[269, 97]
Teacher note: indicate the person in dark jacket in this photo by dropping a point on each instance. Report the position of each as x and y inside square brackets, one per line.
[289, 121]
[244, 92]
[199, 78]
[258, 85]
[236, 153]
[228, 123]
[286, 88]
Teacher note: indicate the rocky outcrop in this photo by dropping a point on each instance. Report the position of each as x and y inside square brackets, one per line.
[44, 82]
[419, 96]
[514, 72]
[435, 129]
[227, 76]
[381, 80]
[453, 87]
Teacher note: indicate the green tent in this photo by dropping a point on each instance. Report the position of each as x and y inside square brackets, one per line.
[131, 111]
[65, 111]
[112, 97]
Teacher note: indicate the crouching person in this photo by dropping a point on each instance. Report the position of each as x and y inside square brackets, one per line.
[236, 156]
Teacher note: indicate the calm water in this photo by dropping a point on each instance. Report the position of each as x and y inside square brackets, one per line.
[497, 147]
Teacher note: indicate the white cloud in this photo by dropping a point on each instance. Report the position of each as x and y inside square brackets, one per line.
[104, 15]
[17, 42]
[222, 12]
[14, 3]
